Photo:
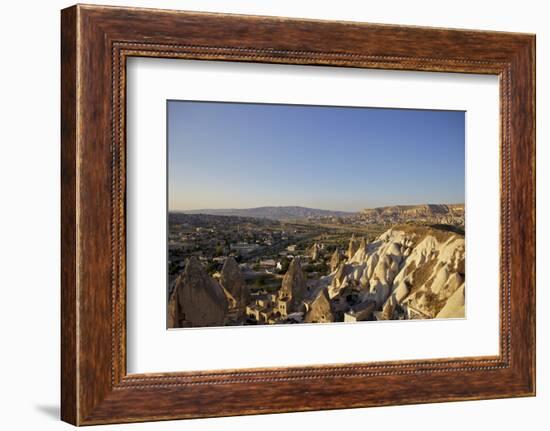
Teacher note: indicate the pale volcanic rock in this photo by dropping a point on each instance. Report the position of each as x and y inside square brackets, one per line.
[399, 293]
[454, 307]
[450, 286]
[358, 272]
[315, 251]
[233, 282]
[335, 260]
[396, 297]
[361, 252]
[384, 274]
[201, 301]
[419, 267]
[340, 279]
[364, 280]
[339, 275]
[379, 290]
[437, 275]
[352, 247]
[372, 261]
[294, 286]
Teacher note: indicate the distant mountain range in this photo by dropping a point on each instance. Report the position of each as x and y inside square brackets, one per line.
[393, 213]
[416, 210]
[429, 213]
[274, 213]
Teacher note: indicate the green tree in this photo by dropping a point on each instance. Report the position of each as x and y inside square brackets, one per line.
[218, 250]
[260, 281]
[285, 262]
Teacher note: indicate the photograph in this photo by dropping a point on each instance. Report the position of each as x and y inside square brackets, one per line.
[289, 214]
[256, 216]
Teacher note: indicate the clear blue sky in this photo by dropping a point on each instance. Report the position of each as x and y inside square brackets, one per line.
[234, 155]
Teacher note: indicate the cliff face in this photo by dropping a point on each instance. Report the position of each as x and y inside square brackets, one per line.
[433, 213]
[416, 210]
[409, 269]
[201, 301]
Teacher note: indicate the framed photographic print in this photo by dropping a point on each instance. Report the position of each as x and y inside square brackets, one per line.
[326, 214]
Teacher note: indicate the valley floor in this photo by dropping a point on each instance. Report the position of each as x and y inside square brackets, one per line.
[241, 271]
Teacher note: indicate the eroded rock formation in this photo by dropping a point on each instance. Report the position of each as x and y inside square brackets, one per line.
[410, 271]
[233, 282]
[361, 251]
[315, 251]
[201, 301]
[320, 309]
[454, 307]
[352, 247]
[335, 260]
[428, 213]
[293, 288]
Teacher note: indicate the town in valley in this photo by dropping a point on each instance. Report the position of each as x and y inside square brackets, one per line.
[285, 214]
[288, 265]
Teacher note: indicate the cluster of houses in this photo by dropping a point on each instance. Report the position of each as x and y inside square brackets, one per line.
[270, 308]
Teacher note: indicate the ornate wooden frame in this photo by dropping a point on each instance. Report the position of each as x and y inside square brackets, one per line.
[95, 43]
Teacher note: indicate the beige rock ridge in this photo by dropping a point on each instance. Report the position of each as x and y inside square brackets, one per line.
[410, 211]
[415, 268]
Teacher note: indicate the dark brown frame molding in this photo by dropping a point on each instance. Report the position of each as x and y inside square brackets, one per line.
[95, 43]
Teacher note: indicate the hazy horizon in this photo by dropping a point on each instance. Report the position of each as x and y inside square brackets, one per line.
[301, 206]
[241, 156]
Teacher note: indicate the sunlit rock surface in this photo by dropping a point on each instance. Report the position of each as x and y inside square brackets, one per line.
[410, 271]
[294, 288]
